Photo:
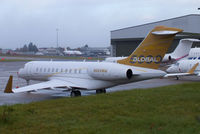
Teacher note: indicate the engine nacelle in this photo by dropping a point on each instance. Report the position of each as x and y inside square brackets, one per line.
[169, 58]
[110, 72]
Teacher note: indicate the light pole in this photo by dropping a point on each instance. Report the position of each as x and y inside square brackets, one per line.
[57, 36]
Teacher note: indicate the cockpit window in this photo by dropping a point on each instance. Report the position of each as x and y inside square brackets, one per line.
[194, 58]
[177, 64]
[199, 58]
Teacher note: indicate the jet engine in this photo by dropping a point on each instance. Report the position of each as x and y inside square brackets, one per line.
[111, 73]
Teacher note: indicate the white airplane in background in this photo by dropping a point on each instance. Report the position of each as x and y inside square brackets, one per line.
[181, 51]
[142, 64]
[184, 65]
[72, 52]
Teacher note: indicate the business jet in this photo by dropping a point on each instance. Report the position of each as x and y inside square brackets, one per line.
[185, 64]
[181, 51]
[142, 64]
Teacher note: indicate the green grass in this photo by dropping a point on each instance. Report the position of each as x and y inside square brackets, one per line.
[164, 110]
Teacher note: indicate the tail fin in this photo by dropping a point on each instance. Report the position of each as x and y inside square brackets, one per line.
[150, 52]
[183, 47]
[8, 88]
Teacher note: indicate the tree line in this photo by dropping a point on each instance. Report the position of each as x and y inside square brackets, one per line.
[28, 48]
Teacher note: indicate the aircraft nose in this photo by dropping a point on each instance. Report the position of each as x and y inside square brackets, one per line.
[20, 72]
[171, 70]
[168, 70]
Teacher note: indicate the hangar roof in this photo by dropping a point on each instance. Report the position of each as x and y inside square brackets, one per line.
[189, 23]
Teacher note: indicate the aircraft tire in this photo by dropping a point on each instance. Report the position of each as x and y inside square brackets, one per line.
[75, 93]
[72, 94]
[100, 91]
[78, 93]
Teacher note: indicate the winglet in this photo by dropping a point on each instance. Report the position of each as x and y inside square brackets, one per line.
[191, 71]
[8, 88]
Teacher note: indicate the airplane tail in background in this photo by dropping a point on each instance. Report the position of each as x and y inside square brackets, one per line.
[184, 47]
[150, 52]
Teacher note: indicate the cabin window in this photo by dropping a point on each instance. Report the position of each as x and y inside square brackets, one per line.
[70, 70]
[56, 70]
[79, 71]
[40, 69]
[75, 71]
[61, 70]
[44, 70]
[37, 69]
[189, 58]
[66, 70]
[49, 69]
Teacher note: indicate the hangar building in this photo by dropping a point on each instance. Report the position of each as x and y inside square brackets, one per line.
[124, 41]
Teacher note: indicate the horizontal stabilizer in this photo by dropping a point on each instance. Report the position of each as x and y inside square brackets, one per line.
[165, 32]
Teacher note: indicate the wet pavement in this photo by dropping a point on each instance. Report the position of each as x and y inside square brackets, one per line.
[11, 68]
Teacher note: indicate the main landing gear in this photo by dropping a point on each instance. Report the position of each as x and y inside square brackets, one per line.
[100, 91]
[75, 93]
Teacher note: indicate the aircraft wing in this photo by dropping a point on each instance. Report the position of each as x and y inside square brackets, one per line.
[190, 72]
[47, 85]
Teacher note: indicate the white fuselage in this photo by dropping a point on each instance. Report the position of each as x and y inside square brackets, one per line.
[89, 75]
[184, 66]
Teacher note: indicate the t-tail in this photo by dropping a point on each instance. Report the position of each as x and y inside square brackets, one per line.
[152, 49]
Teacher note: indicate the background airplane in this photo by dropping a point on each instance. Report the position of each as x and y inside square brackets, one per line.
[142, 64]
[184, 65]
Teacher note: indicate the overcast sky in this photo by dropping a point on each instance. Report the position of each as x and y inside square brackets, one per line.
[80, 21]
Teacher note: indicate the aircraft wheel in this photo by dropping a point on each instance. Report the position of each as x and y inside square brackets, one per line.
[72, 94]
[75, 93]
[100, 91]
[78, 93]
[103, 90]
